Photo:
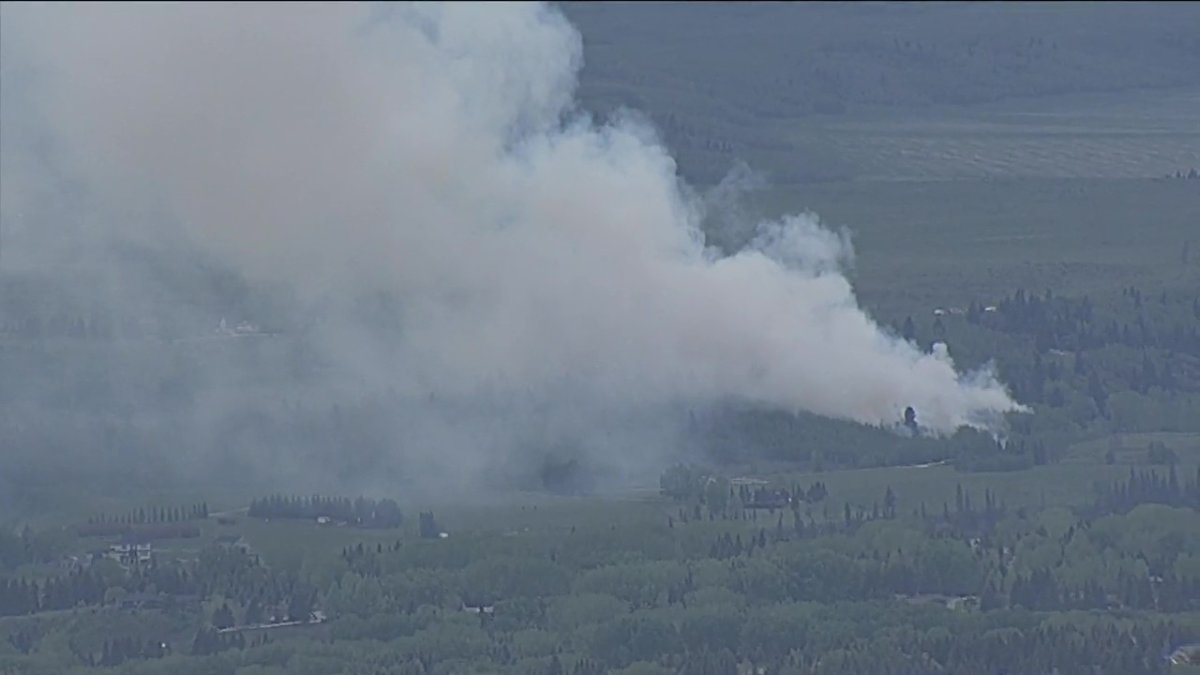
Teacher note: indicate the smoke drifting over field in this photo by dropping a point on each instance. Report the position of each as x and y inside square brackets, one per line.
[548, 269]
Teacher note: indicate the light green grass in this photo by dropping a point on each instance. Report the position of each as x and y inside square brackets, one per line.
[1131, 448]
[922, 245]
[1141, 135]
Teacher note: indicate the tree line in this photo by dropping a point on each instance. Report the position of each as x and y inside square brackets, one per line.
[361, 511]
[154, 514]
[1147, 487]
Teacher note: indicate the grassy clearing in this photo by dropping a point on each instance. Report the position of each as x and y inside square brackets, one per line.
[921, 245]
[1131, 448]
[1143, 135]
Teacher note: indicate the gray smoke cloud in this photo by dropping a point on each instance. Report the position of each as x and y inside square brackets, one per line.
[549, 269]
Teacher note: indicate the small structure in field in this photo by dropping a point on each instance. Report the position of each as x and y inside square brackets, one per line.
[131, 551]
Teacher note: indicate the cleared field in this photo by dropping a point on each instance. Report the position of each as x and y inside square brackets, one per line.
[1131, 448]
[1135, 135]
[895, 156]
[922, 244]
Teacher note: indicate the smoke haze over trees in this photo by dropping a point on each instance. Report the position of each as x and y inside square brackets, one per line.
[411, 201]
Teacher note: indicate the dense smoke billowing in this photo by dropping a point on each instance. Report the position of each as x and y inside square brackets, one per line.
[547, 271]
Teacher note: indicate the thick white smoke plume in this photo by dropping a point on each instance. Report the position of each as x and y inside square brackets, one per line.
[434, 153]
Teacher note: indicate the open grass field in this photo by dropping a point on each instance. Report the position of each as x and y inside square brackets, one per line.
[949, 204]
[922, 244]
[1147, 134]
[1131, 448]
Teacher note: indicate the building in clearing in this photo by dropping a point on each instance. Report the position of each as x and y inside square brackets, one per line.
[131, 552]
